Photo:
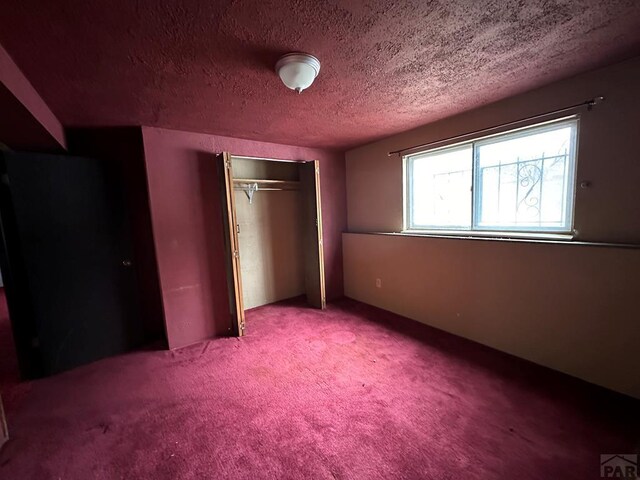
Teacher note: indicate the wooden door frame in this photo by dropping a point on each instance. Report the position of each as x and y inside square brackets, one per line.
[4, 431]
[315, 204]
[232, 243]
[234, 273]
[323, 290]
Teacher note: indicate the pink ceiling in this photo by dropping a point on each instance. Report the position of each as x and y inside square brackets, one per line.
[387, 66]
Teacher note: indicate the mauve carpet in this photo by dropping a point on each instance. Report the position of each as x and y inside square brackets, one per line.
[351, 393]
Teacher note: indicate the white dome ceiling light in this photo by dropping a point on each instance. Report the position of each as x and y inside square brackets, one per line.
[298, 70]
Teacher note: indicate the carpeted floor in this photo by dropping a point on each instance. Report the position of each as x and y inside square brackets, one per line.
[349, 393]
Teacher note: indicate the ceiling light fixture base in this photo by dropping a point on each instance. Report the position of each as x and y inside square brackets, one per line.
[298, 70]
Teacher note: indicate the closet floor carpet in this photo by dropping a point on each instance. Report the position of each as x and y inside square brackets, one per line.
[350, 393]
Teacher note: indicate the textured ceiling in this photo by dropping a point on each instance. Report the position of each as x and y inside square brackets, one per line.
[387, 66]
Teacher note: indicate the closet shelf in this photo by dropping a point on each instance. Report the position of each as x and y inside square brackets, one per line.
[264, 184]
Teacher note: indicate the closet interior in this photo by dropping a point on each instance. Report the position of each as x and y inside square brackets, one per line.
[273, 227]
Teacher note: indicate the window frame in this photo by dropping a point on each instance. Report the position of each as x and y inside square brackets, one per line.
[496, 231]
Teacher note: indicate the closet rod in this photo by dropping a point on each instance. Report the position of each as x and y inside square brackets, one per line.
[268, 189]
[265, 181]
[244, 183]
[587, 103]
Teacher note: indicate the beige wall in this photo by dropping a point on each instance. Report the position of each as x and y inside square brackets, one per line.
[572, 308]
[264, 169]
[271, 256]
[271, 259]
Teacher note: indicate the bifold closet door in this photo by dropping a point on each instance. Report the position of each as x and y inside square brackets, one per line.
[232, 246]
[312, 234]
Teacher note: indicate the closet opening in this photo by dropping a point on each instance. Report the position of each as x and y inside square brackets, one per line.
[273, 233]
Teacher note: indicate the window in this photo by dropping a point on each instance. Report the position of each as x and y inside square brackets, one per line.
[519, 181]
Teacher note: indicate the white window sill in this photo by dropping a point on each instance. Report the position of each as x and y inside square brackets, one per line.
[491, 234]
[557, 239]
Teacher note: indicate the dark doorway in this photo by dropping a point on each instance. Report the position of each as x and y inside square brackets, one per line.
[66, 261]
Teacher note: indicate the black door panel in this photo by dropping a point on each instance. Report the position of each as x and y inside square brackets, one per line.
[71, 289]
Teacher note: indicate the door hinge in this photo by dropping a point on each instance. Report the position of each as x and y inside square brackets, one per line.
[236, 254]
[227, 163]
[242, 326]
[237, 228]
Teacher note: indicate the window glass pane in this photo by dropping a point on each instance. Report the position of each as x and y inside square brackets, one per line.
[440, 188]
[524, 181]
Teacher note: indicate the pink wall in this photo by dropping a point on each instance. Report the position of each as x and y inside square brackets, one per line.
[26, 122]
[187, 224]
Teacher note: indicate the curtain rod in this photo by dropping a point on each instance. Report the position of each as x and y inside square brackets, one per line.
[587, 103]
